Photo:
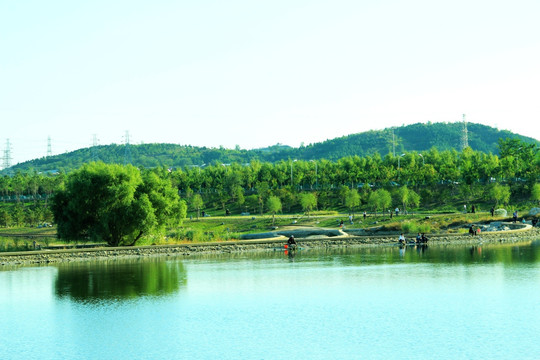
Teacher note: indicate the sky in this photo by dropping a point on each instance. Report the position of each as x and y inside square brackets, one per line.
[257, 73]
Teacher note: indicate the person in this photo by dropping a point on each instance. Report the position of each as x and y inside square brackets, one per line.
[401, 239]
[465, 208]
[424, 238]
[365, 214]
[341, 223]
[515, 216]
[492, 211]
[397, 211]
[291, 242]
[473, 209]
[227, 212]
[418, 238]
[350, 219]
[471, 230]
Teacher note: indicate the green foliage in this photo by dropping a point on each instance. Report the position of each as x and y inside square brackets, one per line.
[352, 199]
[535, 192]
[441, 179]
[274, 206]
[197, 203]
[380, 199]
[115, 204]
[413, 227]
[443, 136]
[499, 193]
[308, 202]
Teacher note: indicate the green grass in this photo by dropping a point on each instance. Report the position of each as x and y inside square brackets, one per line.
[224, 228]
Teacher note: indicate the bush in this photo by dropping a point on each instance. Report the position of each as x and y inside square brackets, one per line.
[414, 228]
[409, 227]
[325, 212]
[195, 235]
[424, 228]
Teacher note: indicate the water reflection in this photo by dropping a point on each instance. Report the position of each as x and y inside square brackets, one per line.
[118, 280]
[505, 253]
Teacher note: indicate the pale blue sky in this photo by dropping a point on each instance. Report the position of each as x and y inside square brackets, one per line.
[255, 73]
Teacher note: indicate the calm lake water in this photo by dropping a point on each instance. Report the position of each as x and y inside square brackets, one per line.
[441, 302]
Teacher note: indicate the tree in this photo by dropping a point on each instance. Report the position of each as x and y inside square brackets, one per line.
[262, 193]
[379, 199]
[500, 193]
[385, 199]
[18, 214]
[414, 198]
[403, 194]
[308, 202]
[197, 203]
[238, 194]
[5, 218]
[287, 198]
[343, 192]
[535, 193]
[113, 203]
[274, 205]
[408, 196]
[352, 200]
[167, 206]
[373, 201]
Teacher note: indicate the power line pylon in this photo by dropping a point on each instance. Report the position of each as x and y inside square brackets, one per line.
[49, 147]
[127, 150]
[94, 148]
[6, 159]
[464, 134]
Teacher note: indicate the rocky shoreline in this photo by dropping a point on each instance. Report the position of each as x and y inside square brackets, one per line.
[525, 233]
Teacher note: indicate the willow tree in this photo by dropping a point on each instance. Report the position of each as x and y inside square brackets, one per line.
[116, 204]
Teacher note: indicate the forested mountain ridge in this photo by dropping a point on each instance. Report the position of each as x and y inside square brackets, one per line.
[416, 137]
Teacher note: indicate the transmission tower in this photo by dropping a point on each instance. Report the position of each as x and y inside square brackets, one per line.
[127, 150]
[464, 135]
[49, 147]
[94, 148]
[393, 144]
[6, 159]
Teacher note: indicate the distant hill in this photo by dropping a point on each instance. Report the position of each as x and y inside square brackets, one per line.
[417, 137]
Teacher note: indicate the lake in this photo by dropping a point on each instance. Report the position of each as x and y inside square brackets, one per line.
[384, 302]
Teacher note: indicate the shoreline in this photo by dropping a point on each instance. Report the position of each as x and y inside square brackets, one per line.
[185, 250]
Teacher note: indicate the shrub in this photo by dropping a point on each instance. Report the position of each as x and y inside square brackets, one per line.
[195, 235]
[424, 228]
[409, 227]
[325, 212]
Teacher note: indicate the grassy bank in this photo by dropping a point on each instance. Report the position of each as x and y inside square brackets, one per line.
[231, 228]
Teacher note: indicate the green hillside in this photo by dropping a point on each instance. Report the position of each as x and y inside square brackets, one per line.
[416, 137]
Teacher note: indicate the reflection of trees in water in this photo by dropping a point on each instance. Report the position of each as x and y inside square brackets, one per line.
[489, 253]
[119, 279]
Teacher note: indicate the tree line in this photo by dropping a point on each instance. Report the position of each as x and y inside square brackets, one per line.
[412, 138]
[429, 179]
